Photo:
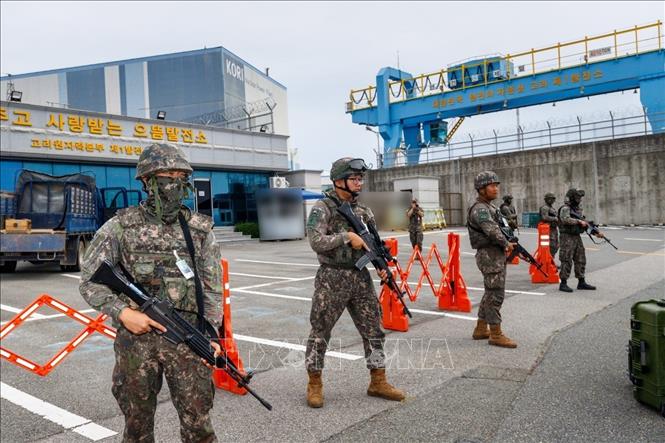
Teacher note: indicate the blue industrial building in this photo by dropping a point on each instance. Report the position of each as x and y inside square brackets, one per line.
[241, 110]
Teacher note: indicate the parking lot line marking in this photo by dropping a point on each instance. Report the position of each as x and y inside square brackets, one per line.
[268, 294]
[643, 239]
[292, 297]
[239, 274]
[262, 285]
[445, 231]
[72, 276]
[286, 345]
[277, 262]
[443, 314]
[641, 253]
[509, 291]
[477, 289]
[16, 311]
[44, 317]
[55, 414]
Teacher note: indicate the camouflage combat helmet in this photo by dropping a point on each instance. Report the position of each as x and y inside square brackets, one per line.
[161, 157]
[507, 197]
[344, 167]
[550, 195]
[485, 178]
[574, 193]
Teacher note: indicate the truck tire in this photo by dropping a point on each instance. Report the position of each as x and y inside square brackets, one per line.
[8, 266]
[80, 252]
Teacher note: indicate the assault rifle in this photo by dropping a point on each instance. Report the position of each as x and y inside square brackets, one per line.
[178, 330]
[592, 229]
[518, 250]
[378, 254]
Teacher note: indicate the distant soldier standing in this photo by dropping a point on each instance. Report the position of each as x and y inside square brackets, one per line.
[147, 240]
[548, 215]
[572, 248]
[492, 247]
[415, 215]
[508, 211]
[340, 285]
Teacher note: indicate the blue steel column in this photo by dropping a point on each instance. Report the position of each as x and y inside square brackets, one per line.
[391, 132]
[652, 96]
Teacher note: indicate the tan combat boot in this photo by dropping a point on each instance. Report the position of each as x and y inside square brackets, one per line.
[314, 390]
[379, 386]
[482, 331]
[498, 339]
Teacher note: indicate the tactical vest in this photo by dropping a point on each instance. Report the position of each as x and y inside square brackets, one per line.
[542, 220]
[566, 228]
[477, 236]
[147, 253]
[343, 256]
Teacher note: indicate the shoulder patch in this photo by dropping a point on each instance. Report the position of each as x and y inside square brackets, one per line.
[315, 215]
[483, 214]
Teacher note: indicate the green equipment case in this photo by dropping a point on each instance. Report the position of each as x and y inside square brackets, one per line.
[646, 353]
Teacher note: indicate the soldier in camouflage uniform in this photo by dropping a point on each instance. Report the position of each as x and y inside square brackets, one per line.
[143, 239]
[572, 248]
[492, 247]
[415, 215]
[508, 211]
[548, 215]
[340, 285]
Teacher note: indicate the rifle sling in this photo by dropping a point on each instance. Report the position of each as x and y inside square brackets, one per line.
[197, 281]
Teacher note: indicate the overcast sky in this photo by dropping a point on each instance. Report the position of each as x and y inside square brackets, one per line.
[320, 50]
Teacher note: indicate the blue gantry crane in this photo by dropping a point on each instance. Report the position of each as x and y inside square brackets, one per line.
[410, 112]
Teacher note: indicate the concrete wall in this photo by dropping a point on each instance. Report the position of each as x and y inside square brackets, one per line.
[624, 179]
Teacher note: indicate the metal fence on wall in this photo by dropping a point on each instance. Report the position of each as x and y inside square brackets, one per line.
[550, 136]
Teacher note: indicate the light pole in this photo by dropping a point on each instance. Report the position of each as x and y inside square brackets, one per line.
[377, 151]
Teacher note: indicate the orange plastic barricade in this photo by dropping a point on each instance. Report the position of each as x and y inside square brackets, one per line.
[393, 316]
[452, 292]
[544, 257]
[514, 261]
[91, 325]
[433, 253]
[221, 379]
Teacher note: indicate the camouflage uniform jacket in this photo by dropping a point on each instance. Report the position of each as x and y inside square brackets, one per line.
[547, 215]
[484, 231]
[510, 213]
[145, 248]
[568, 224]
[415, 219]
[328, 231]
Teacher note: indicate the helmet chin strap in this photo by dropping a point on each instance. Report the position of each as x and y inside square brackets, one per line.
[346, 188]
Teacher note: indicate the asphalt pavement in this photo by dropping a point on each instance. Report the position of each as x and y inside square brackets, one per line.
[565, 382]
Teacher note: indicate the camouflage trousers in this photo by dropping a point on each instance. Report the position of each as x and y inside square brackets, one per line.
[336, 289]
[416, 237]
[554, 240]
[140, 362]
[492, 263]
[572, 251]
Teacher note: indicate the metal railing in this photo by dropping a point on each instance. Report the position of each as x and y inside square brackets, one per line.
[550, 136]
[613, 45]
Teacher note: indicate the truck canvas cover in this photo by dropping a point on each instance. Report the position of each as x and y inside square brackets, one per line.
[42, 196]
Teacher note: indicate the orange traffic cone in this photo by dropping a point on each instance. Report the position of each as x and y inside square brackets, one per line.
[544, 257]
[221, 379]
